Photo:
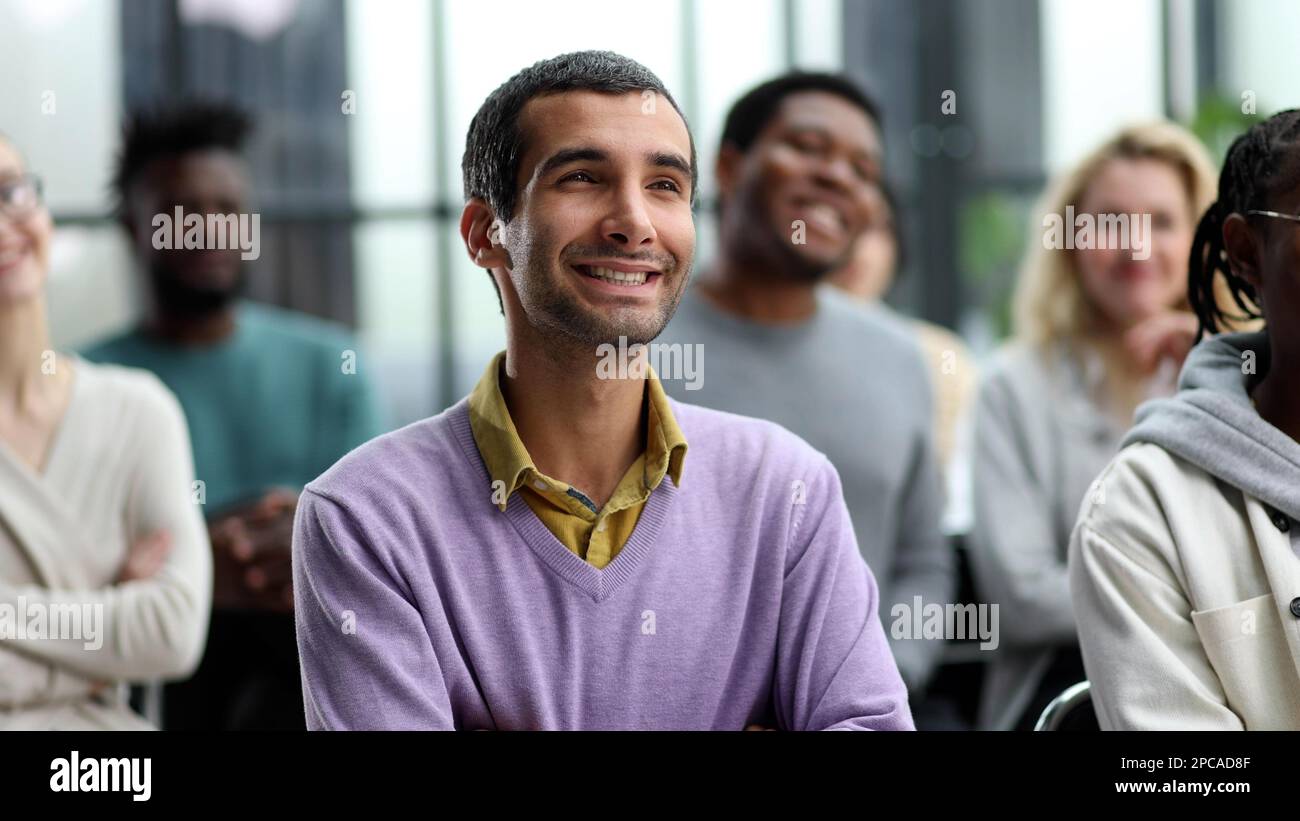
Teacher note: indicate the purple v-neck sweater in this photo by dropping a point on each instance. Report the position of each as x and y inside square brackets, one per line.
[740, 598]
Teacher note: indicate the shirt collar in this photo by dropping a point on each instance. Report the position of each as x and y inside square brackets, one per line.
[666, 444]
[507, 459]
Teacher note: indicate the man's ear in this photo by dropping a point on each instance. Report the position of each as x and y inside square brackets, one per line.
[726, 169]
[1241, 243]
[482, 233]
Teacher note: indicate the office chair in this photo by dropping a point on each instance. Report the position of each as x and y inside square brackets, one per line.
[1071, 711]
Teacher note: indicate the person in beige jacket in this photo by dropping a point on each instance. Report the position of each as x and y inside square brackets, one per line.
[1185, 561]
[105, 570]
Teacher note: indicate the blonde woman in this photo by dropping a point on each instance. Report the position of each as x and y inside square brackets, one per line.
[105, 571]
[1097, 331]
[1183, 564]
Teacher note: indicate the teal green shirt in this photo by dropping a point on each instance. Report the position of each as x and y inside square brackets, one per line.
[273, 405]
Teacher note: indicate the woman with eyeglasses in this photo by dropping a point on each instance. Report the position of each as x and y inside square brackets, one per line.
[105, 570]
[1185, 564]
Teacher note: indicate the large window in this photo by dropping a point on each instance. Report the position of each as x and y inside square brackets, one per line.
[363, 106]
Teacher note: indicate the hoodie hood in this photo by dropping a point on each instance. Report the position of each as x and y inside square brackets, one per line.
[1212, 423]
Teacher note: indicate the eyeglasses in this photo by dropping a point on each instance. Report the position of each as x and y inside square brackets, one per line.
[1275, 215]
[20, 196]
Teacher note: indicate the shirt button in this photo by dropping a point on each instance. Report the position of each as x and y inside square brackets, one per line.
[1280, 521]
[539, 484]
[1295, 607]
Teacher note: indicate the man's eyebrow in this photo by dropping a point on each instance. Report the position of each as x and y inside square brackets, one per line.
[664, 159]
[872, 154]
[561, 158]
[568, 155]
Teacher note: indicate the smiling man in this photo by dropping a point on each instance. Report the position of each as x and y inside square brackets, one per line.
[798, 171]
[543, 554]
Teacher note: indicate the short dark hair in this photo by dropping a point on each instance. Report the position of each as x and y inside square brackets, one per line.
[751, 113]
[170, 131]
[494, 146]
[1260, 164]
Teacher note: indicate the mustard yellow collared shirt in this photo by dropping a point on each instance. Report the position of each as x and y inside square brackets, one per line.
[594, 535]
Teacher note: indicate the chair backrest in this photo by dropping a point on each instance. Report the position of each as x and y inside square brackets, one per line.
[1072, 710]
[147, 700]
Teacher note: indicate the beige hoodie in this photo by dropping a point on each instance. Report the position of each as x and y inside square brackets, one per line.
[1185, 562]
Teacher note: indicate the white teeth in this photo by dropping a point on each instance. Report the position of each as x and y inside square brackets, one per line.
[825, 216]
[618, 277]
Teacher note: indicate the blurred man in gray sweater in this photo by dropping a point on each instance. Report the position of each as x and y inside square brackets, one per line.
[798, 176]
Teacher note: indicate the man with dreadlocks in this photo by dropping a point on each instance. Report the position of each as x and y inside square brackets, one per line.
[1183, 565]
[268, 400]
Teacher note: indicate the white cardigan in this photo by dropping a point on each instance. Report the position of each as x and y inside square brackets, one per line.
[1187, 596]
[119, 468]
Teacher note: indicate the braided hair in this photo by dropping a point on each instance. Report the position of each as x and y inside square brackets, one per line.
[1260, 163]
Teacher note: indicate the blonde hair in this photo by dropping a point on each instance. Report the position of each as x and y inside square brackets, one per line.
[1049, 304]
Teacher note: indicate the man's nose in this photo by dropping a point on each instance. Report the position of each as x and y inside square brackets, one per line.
[629, 222]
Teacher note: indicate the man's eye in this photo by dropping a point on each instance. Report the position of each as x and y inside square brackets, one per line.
[806, 145]
[575, 175]
[672, 186]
